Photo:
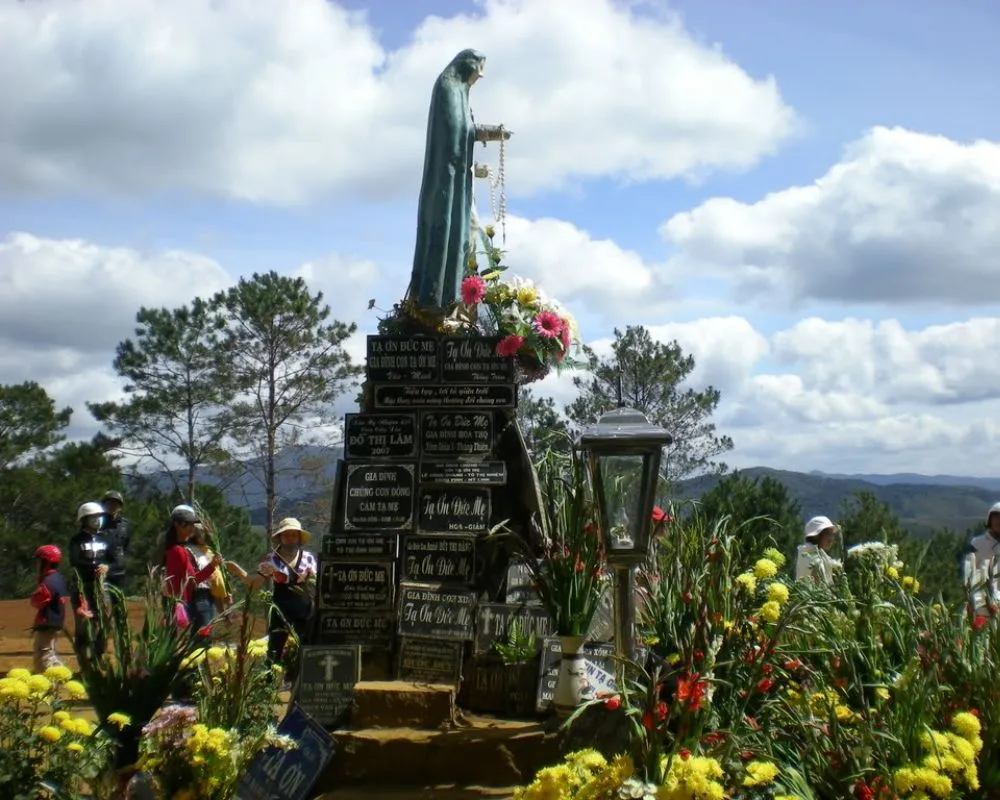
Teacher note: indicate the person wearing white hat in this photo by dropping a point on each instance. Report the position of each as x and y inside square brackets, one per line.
[814, 561]
[981, 565]
[292, 570]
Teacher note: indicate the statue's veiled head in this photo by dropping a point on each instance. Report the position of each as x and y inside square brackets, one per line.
[468, 65]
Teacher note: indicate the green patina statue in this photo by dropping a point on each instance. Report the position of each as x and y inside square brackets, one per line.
[444, 214]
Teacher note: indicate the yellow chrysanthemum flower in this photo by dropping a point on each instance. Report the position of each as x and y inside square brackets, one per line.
[14, 689]
[775, 555]
[50, 733]
[765, 568]
[75, 747]
[893, 573]
[59, 673]
[119, 720]
[75, 690]
[966, 725]
[39, 684]
[770, 611]
[19, 674]
[778, 592]
[760, 773]
[747, 582]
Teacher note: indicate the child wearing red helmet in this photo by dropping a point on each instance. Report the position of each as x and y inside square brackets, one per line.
[49, 598]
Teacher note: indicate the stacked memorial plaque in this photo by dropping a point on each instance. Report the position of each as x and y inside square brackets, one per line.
[414, 497]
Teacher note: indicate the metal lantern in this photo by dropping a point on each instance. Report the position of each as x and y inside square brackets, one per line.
[624, 452]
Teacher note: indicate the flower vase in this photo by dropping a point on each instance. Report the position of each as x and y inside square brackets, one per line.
[571, 685]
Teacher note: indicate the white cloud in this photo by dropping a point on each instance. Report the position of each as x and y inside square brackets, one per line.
[578, 269]
[282, 102]
[904, 217]
[938, 364]
[70, 294]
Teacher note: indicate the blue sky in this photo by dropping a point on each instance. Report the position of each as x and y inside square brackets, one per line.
[161, 131]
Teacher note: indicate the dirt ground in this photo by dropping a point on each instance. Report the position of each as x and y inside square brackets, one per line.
[16, 617]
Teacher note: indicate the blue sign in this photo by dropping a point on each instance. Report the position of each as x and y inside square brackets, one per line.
[289, 774]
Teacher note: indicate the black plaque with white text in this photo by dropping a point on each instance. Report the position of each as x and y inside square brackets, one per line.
[496, 621]
[454, 509]
[355, 585]
[366, 628]
[456, 433]
[439, 558]
[475, 360]
[436, 611]
[379, 497]
[429, 661]
[451, 395]
[409, 359]
[463, 473]
[380, 436]
[359, 544]
[327, 675]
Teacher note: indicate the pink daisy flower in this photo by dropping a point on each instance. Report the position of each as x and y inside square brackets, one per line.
[509, 345]
[548, 325]
[473, 290]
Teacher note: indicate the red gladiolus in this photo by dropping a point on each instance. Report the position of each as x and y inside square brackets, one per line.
[647, 721]
[691, 691]
[613, 703]
[751, 722]
[685, 754]
[660, 516]
[578, 566]
[746, 755]
[661, 711]
[713, 738]
[205, 631]
[862, 791]
[792, 664]
[979, 622]
[765, 685]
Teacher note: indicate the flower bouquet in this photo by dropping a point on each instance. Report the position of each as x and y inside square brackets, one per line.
[536, 331]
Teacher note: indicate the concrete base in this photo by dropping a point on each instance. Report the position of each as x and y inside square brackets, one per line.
[486, 752]
[394, 704]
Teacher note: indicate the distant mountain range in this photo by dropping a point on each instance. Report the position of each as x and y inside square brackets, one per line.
[922, 502]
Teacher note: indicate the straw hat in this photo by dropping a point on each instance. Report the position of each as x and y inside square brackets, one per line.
[291, 524]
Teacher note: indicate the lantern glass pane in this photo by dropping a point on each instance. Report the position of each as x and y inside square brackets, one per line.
[621, 477]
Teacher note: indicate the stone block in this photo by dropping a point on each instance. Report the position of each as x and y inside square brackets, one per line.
[395, 704]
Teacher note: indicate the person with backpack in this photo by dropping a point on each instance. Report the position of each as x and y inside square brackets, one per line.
[49, 602]
[90, 558]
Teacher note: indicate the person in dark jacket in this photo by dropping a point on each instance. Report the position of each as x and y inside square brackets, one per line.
[49, 602]
[90, 557]
[118, 531]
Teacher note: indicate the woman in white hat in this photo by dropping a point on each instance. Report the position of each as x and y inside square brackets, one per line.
[814, 561]
[292, 570]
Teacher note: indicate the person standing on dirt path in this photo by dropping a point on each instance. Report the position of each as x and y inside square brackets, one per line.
[49, 602]
[118, 531]
[90, 557]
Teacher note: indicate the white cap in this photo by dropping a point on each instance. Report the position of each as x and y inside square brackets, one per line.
[817, 525]
[994, 509]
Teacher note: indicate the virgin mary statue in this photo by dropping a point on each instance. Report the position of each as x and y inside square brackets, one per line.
[444, 224]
